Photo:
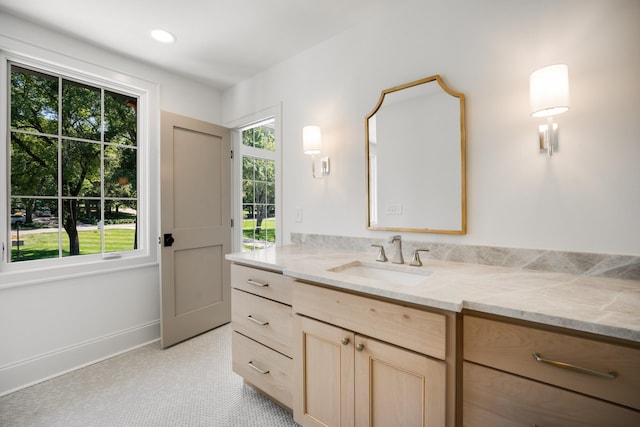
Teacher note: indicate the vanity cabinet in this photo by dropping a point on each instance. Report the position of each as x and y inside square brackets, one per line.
[365, 362]
[262, 330]
[520, 374]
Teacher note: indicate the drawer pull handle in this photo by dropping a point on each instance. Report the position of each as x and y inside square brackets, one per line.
[259, 322]
[255, 368]
[612, 375]
[256, 283]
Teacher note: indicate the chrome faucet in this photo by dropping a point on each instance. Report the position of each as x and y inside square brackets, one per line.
[382, 257]
[397, 256]
[416, 261]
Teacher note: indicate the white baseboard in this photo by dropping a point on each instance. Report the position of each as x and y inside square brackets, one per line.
[40, 368]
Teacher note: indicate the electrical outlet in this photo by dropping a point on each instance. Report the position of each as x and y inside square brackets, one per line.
[298, 214]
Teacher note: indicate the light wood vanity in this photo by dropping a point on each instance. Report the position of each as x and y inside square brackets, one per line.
[347, 357]
[525, 374]
[360, 361]
[262, 340]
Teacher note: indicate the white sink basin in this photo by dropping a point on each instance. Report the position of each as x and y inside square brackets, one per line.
[385, 272]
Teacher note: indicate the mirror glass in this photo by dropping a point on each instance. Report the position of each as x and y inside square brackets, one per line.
[415, 142]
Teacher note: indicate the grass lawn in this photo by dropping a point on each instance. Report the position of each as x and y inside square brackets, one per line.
[267, 230]
[45, 245]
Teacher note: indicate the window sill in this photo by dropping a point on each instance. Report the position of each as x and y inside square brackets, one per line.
[43, 275]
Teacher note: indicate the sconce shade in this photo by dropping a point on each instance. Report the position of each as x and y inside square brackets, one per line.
[311, 139]
[549, 91]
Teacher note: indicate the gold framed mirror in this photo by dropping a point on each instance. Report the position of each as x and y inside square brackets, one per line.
[415, 150]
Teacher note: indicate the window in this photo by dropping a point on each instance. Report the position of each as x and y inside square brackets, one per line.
[259, 213]
[73, 167]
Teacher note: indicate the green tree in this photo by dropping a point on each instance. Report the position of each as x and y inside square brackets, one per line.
[120, 166]
[34, 155]
[34, 109]
[258, 175]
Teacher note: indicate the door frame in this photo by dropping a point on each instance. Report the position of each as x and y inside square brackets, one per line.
[274, 111]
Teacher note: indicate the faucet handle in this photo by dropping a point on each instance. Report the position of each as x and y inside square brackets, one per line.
[415, 260]
[382, 257]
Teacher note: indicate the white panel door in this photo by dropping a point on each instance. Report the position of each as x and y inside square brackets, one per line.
[196, 227]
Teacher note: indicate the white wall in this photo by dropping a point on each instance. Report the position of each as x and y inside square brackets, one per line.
[52, 326]
[586, 198]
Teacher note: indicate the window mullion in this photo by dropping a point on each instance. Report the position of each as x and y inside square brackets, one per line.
[101, 227]
[60, 206]
[260, 153]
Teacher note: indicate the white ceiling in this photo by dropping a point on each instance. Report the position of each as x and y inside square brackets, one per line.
[220, 42]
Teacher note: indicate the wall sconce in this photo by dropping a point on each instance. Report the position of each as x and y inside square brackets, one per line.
[549, 96]
[311, 144]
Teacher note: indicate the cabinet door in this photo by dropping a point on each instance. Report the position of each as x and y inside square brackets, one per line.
[324, 374]
[397, 387]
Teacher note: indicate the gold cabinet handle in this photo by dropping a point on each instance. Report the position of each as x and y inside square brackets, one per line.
[256, 283]
[611, 375]
[344, 341]
[259, 322]
[255, 368]
[359, 347]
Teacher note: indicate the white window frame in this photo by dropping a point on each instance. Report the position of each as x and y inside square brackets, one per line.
[240, 150]
[41, 271]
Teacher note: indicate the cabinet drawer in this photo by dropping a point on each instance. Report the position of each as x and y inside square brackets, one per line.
[263, 320]
[417, 330]
[266, 369]
[497, 399]
[510, 347]
[265, 283]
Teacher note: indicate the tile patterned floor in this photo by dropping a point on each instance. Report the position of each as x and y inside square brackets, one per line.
[190, 384]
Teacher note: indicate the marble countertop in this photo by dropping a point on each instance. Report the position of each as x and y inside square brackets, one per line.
[603, 306]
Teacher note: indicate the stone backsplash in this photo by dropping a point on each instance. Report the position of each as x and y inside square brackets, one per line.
[599, 265]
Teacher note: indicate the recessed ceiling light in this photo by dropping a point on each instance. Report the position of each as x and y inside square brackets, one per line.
[163, 36]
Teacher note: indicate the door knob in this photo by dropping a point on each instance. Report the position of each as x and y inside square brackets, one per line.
[359, 347]
[168, 240]
[344, 341]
